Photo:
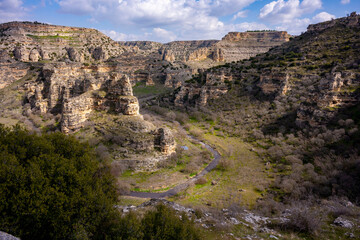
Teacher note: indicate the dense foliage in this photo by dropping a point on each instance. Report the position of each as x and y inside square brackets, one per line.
[52, 187]
[162, 223]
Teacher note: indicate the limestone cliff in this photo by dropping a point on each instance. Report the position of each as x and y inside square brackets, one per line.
[31, 42]
[66, 88]
[233, 47]
[236, 46]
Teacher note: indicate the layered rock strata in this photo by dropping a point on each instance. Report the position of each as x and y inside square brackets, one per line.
[67, 89]
[31, 42]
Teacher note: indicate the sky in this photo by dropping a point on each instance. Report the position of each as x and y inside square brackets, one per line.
[169, 20]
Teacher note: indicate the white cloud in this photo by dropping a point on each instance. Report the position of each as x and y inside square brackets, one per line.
[12, 10]
[241, 14]
[117, 36]
[156, 34]
[164, 35]
[345, 1]
[281, 11]
[322, 17]
[242, 27]
[300, 25]
[190, 19]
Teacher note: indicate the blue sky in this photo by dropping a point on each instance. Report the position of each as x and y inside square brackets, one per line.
[169, 20]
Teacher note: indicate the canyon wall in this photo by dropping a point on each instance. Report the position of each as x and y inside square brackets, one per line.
[233, 47]
[32, 42]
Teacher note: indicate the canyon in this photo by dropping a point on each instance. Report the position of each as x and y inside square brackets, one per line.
[75, 73]
[258, 120]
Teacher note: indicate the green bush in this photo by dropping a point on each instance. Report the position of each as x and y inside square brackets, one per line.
[51, 187]
[163, 223]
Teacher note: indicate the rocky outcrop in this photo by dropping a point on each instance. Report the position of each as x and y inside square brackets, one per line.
[149, 81]
[127, 105]
[350, 21]
[75, 112]
[236, 46]
[21, 54]
[99, 54]
[186, 50]
[274, 82]
[74, 55]
[34, 55]
[143, 46]
[211, 85]
[165, 140]
[57, 42]
[11, 72]
[67, 89]
[175, 79]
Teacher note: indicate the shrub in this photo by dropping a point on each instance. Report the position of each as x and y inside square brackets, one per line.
[225, 164]
[163, 223]
[201, 181]
[301, 219]
[191, 168]
[52, 187]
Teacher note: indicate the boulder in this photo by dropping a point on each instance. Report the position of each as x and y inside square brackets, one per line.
[127, 105]
[99, 54]
[74, 55]
[34, 55]
[343, 222]
[22, 54]
[6, 236]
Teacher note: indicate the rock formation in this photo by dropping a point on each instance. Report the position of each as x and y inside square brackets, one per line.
[233, 47]
[75, 112]
[57, 42]
[350, 21]
[236, 46]
[165, 141]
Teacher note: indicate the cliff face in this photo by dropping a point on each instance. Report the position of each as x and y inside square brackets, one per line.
[68, 89]
[32, 42]
[10, 70]
[243, 45]
[233, 47]
[186, 51]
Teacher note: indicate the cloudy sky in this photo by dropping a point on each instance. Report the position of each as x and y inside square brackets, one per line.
[168, 20]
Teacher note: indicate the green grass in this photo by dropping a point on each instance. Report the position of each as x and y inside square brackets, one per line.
[165, 178]
[50, 37]
[127, 200]
[141, 90]
[243, 181]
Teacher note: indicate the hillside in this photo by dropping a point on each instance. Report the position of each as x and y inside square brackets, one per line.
[298, 106]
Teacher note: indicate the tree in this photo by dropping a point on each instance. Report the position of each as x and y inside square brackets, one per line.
[52, 187]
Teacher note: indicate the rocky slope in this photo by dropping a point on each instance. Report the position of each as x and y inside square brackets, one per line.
[298, 104]
[314, 58]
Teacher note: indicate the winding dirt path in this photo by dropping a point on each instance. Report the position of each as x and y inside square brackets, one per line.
[183, 186]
